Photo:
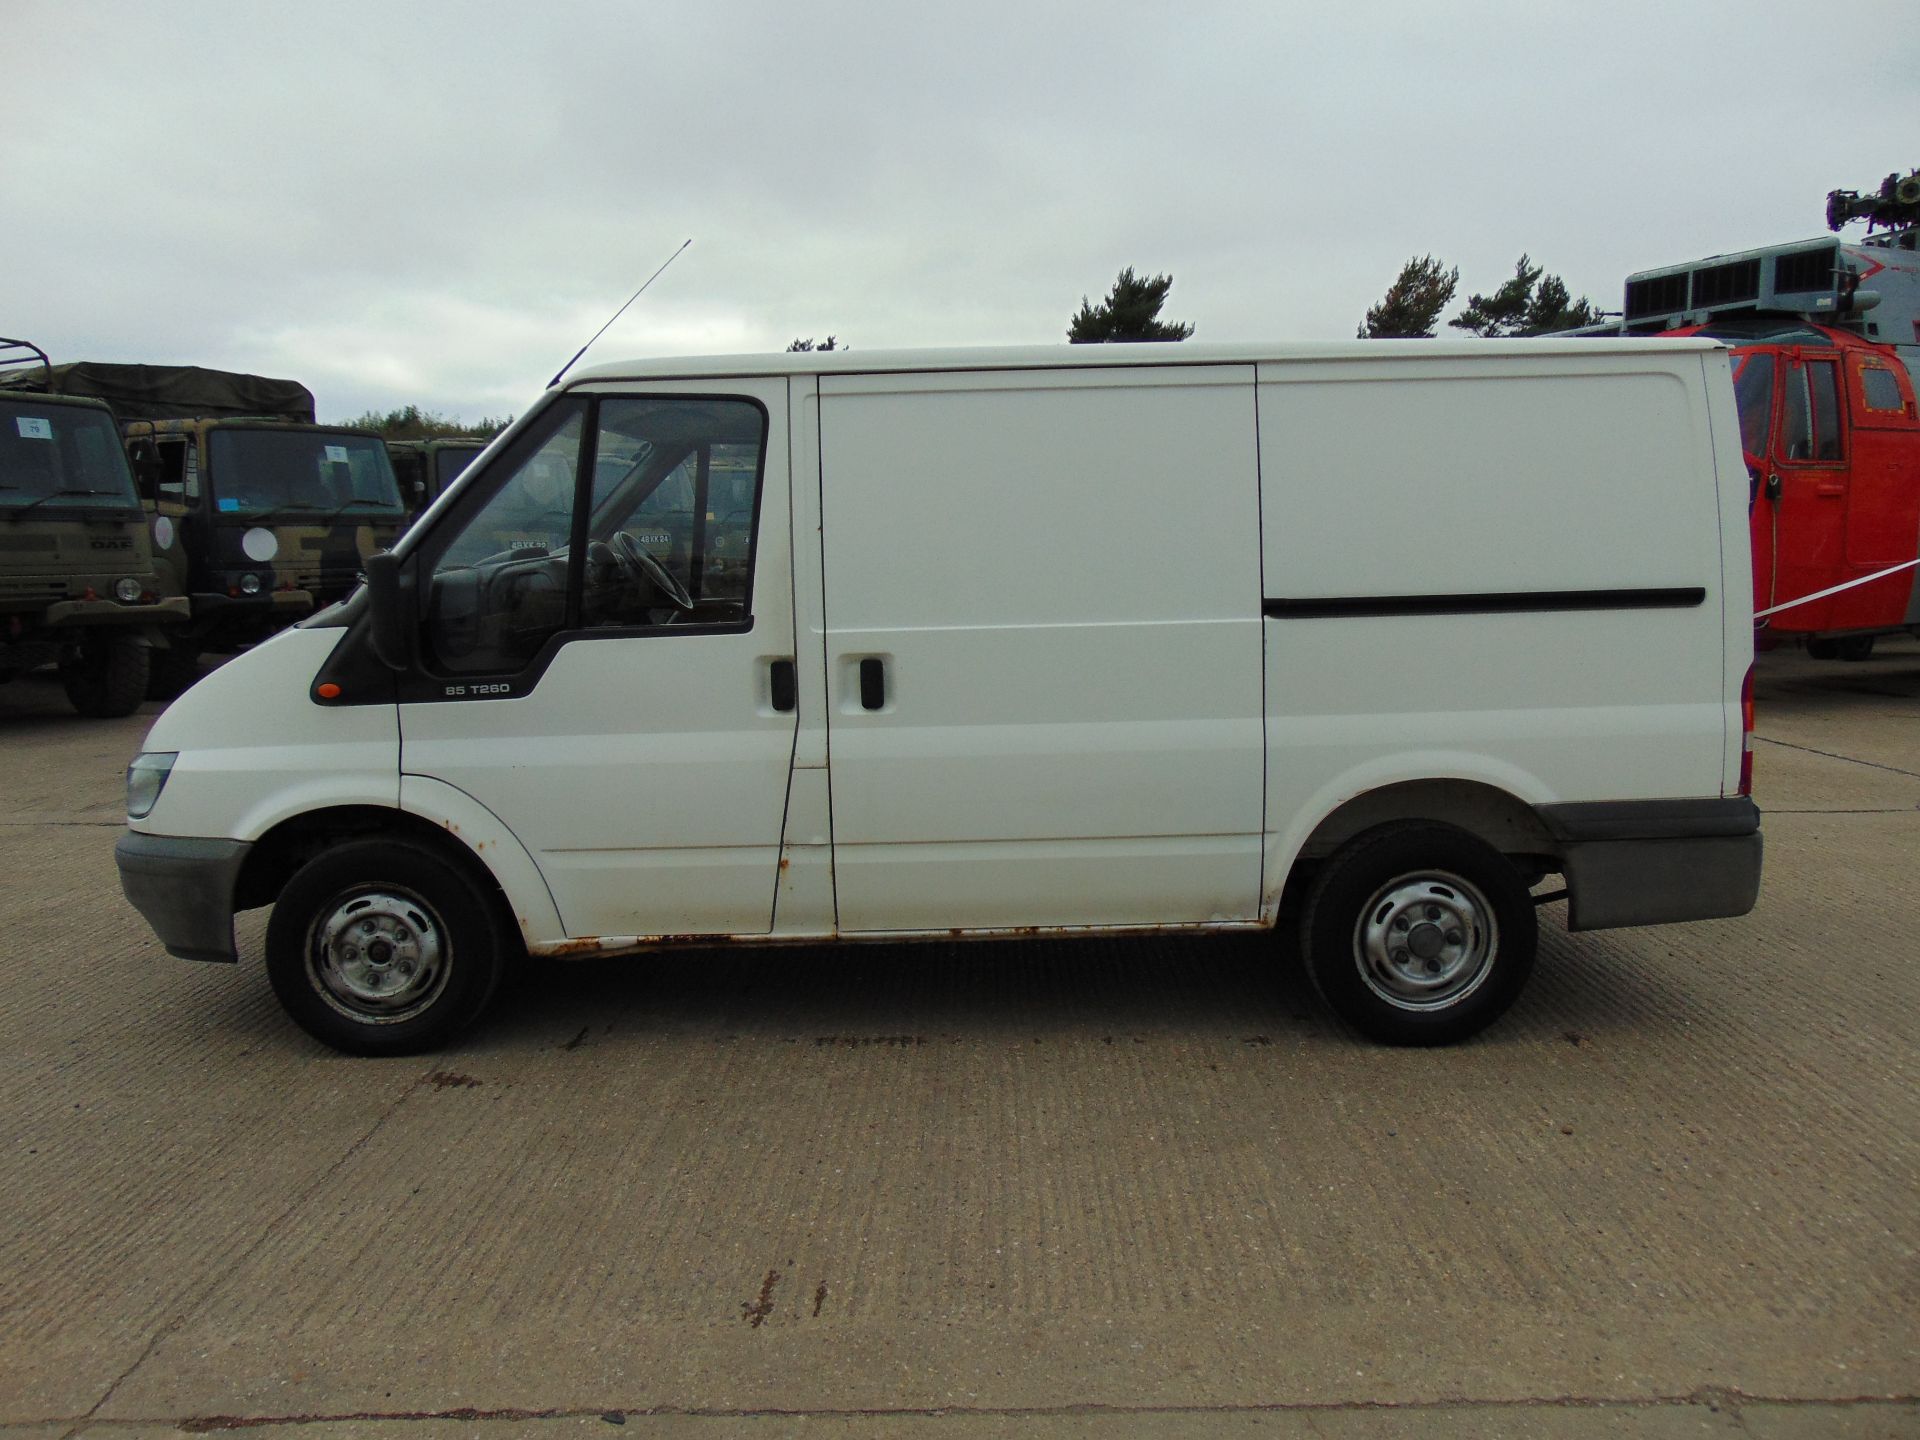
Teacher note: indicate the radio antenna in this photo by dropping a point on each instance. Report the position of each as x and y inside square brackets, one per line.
[618, 313]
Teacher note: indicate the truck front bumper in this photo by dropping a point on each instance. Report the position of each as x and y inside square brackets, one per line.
[282, 605]
[184, 887]
[64, 613]
[1652, 862]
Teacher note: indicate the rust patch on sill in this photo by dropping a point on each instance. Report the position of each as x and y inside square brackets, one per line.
[623, 944]
[560, 949]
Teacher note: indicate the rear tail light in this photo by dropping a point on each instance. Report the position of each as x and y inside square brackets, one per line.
[1746, 733]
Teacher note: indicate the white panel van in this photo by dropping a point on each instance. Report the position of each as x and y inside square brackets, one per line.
[917, 645]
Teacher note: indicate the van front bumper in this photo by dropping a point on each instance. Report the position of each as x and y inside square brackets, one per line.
[1653, 862]
[184, 887]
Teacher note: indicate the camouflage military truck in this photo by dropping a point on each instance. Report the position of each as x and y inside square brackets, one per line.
[78, 583]
[258, 515]
[424, 468]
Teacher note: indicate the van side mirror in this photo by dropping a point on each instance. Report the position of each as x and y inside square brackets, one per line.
[389, 612]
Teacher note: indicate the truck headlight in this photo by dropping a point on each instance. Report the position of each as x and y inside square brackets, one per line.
[126, 590]
[146, 778]
[249, 584]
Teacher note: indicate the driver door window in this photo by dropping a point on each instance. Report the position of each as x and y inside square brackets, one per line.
[676, 491]
[672, 486]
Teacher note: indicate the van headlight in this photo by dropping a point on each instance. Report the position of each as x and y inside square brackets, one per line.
[249, 584]
[126, 589]
[146, 778]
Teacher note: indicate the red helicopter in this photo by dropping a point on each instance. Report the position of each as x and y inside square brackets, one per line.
[1826, 351]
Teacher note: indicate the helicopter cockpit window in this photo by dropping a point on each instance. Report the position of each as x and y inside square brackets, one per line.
[1879, 390]
[1810, 413]
[1753, 397]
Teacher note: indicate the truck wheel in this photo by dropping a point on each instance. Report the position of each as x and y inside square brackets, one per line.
[381, 947]
[173, 670]
[105, 675]
[1857, 647]
[1419, 933]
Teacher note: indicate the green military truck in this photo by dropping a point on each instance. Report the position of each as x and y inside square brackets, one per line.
[426, 467]
[258, 515]
[78, 584]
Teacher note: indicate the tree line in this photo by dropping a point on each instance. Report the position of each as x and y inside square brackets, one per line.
[410, 422]
[1530, 302]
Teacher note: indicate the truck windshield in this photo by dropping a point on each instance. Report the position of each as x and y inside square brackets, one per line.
[56, 456]
[448, 464]
[258, 474]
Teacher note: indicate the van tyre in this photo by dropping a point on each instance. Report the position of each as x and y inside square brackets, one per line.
[105, 675]
[381, 947]
[1419, 933]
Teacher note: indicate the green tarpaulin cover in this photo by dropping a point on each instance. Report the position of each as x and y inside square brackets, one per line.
[171, 392]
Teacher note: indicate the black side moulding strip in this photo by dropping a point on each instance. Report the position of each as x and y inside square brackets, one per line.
[1514, 602]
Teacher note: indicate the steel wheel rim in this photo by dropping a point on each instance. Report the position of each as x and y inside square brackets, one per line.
[378, 954]
[1426, 940]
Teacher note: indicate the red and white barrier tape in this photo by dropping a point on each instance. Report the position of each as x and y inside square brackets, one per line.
[1836, 589]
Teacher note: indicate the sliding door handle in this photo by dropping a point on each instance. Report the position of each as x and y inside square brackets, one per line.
[873, 684]
[784, 684]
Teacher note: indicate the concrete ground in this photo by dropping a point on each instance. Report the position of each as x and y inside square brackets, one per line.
[1074, 1189]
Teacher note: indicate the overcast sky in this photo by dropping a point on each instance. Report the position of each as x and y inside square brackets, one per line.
[437, 203]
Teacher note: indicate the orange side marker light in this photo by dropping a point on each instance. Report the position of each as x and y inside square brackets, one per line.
[328, 691]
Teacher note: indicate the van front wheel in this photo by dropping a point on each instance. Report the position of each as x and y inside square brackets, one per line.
[383, 948]
[1419, 933]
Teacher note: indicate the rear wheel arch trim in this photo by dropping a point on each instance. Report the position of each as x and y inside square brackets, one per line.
[1364, 799]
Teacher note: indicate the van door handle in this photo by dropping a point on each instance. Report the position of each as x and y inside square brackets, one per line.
[873, 684]
[784, 684]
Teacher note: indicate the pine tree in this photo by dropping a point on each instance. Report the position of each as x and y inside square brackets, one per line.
[1531, 303]
[1412, 305]
[1130, 312]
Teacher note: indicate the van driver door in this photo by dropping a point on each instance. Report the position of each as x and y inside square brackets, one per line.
[605, 653]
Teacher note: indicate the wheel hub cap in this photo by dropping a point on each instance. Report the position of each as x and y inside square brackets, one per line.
[378, 954]
[1426, 940]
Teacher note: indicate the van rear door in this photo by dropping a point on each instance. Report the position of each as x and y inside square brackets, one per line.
[1043, 647]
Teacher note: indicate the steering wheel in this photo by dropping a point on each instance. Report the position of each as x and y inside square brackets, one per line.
[637, 562]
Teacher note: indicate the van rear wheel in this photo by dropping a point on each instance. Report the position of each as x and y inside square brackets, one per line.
[1419, 933]
[380, 947]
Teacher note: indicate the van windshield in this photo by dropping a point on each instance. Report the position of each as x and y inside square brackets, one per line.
[306, 474]
[56, 456]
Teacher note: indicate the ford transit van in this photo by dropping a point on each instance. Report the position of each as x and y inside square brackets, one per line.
[839, 647]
